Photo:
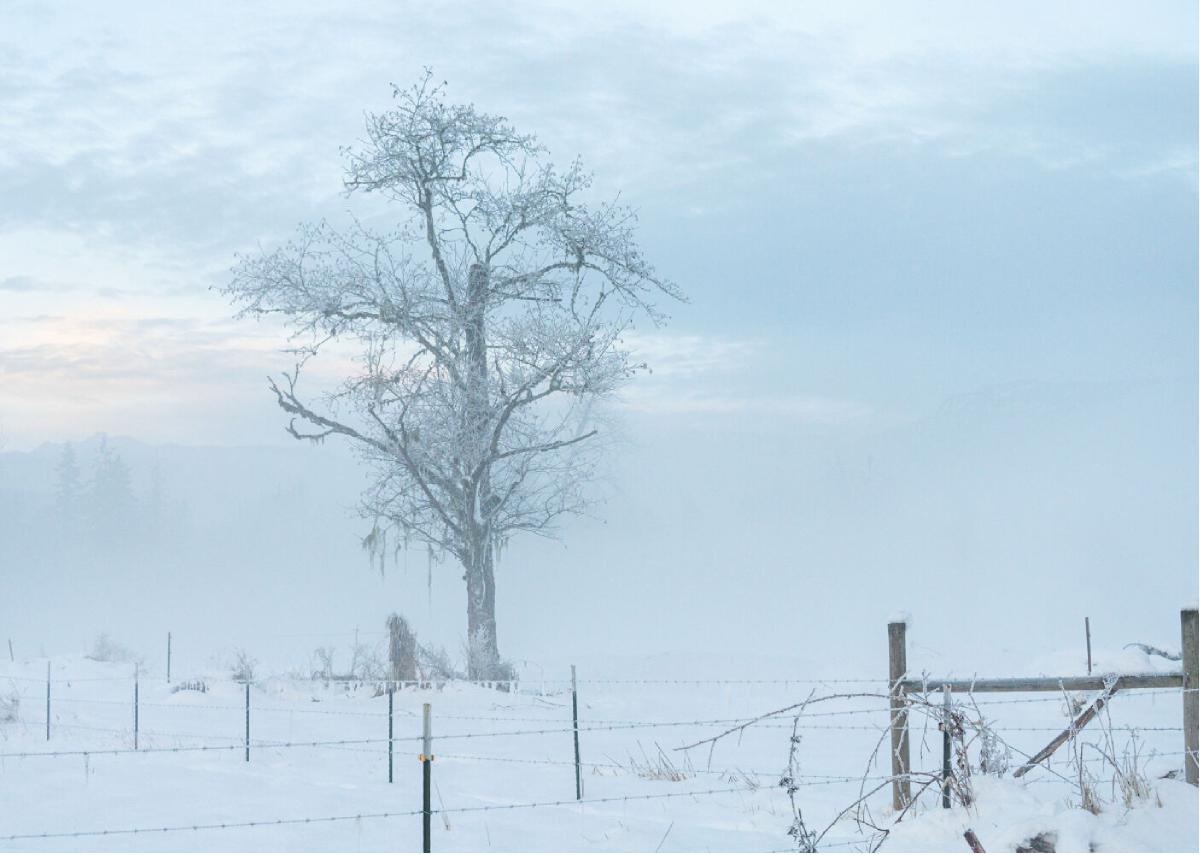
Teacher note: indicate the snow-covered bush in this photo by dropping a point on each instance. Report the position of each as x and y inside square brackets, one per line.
[402, 649]
[105, 649]
[366, 663]
[241, 667]
[435, 663]
[190, 686]
[322, 663]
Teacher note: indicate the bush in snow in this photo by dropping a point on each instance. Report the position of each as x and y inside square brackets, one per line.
[242, 666]
[190, 686]
[435, 664]
[104, 649]
[402, 649]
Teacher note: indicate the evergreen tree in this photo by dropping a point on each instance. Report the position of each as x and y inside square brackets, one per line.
[111, 502]
[68, 493]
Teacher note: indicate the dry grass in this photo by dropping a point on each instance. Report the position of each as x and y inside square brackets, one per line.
[660, 767]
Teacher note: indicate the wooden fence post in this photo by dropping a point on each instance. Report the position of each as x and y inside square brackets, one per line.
[897, 667]
[1191, 703]
[1087, 630]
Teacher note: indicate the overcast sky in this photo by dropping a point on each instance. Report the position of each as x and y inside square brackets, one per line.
[941, 346]
[872, 206]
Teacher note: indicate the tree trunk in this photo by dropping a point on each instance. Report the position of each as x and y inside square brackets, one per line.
[483, 651]
[483, 657]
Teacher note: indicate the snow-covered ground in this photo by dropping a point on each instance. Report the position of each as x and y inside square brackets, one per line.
[728, 799]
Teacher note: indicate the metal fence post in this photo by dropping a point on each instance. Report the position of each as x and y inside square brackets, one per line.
[47, 701]
[136, 674]
[426, 773]
[1191, 703]
[391, 695]
[946, 746]
[897, 667]
[247, 721]
[168, 657]
[575, 727]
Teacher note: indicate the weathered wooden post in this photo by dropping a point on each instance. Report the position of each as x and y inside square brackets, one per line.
[1191, 703]
[897, 668]
[1087, 630]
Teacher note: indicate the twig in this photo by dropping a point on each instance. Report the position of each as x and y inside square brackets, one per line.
[791, 707]
[664, 837]
[973, 841]
[1150, 650]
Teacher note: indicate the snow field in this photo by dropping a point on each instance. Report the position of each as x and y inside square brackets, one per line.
[504, 776]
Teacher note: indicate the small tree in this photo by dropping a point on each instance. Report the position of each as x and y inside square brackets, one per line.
[490, 322]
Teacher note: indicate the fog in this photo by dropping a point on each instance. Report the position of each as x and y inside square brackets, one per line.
[939, 353]
[999, 521]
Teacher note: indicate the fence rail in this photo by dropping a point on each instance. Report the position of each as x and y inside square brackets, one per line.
[1187, 680]
[1172, 679]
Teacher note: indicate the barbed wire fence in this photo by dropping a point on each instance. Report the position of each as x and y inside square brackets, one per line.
[874, 693]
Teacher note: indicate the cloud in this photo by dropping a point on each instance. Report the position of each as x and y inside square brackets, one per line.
[26, 284]
[140, 149]
[220, 132]
[806, 410]
[33, 285]
[723, 376]
[680, 356]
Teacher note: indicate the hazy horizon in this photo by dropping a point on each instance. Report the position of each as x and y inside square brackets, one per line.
[940, 342]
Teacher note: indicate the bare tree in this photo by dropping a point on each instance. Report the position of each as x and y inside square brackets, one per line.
[490, 322]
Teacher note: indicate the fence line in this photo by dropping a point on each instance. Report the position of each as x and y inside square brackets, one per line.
[1057, 699]
[824, 780]
[356, 817]
[451, 681]
[598, 726]
[815, 779]
[183, 748]
[211, 826]
[984, 702]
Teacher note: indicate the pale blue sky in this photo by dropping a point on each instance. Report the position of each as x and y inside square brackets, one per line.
[872, 206]
[942, 260]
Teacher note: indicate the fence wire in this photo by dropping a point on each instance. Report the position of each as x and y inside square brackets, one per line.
[361, 816]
